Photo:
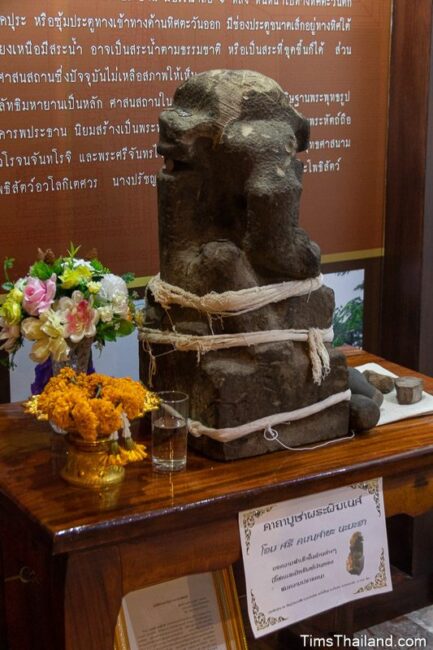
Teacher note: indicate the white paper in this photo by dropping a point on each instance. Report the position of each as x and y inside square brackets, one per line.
[302, 557]
[391, 410]
[181, 614]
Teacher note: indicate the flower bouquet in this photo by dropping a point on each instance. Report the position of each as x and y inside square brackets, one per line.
[94, 409]
[61, 303]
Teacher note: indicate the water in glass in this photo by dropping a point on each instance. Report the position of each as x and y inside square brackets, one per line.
[169, 439]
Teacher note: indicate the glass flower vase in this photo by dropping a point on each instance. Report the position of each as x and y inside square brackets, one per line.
[79, 359]
[79, 356]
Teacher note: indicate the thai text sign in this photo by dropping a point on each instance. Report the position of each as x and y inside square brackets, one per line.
[307, 555]
[83, 85]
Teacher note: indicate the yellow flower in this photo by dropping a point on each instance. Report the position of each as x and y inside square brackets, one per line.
[57, 348]
[139, 318]
[135, 451]
[16, 295]
[48, 335]
[40, 350]
[11, 311]
[31, 329]
[32, 406]
[51, 323]
[9, 336]
[93, 287]
[73, 277]
[119, 458]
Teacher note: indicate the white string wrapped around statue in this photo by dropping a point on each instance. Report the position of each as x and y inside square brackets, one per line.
[267, 423]
[235, 303]
[231, 303]
[316, 339]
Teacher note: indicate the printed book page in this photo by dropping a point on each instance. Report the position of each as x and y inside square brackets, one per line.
[182, 614]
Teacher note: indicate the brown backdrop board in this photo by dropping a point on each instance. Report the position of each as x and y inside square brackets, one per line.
[407, 306]
[82, 85]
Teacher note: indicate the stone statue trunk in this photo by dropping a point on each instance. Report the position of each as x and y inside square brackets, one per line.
[228, 203]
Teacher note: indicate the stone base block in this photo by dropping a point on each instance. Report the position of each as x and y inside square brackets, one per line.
[229, 388]
[332, 423]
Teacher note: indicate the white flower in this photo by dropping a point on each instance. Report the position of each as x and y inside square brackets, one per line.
[110, 285]
[120, 305]
[21, 283]
[114, 290]
[106, 313]
[78, 315]
[79, 262]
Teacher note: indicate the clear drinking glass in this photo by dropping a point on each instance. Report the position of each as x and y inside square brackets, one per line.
[170, 431]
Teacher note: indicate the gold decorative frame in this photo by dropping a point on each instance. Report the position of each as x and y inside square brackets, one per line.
[228, 605]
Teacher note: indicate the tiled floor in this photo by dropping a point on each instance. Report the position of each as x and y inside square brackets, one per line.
[416, 625]
[412, 628]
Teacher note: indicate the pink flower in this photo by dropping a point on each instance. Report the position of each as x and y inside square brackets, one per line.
[78, 316]
[39, 295]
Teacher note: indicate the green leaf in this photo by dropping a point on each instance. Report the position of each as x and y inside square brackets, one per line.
[110, 335]
[7, 265]
[348, 323]
[8, 360]
[83, 288]
[128, 277]
[99, 268]
[73, 250]
[106, 331]
[5, 362]
[41, 270]
[111, 331]
[97, 265]
[58, 266]
[126, 327]
[8, 286]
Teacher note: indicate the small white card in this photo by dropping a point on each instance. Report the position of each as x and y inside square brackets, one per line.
[307, 555]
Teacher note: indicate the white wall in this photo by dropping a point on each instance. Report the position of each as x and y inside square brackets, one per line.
[119, 359]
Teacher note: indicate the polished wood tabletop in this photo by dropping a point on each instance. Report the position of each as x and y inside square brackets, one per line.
[70, 518]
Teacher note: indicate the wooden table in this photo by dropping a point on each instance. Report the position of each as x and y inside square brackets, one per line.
[87, 549]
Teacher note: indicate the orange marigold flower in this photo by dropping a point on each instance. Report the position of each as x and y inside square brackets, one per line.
[91, 405]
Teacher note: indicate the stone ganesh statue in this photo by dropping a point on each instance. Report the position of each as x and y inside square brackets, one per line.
[228, 201]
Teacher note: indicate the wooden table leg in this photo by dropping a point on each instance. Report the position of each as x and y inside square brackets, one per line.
[92, 599]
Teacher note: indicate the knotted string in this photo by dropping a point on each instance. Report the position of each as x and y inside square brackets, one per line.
[271, 435]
